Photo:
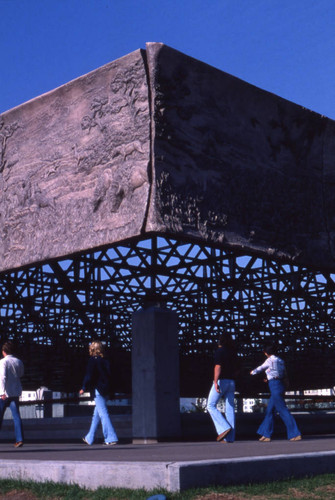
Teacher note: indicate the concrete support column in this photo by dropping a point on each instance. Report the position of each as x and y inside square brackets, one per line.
[155, 375]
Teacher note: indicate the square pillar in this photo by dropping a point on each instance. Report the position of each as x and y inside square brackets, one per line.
[155, 375]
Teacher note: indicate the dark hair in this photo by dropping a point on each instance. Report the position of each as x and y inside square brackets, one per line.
[8, 347]
[96, 348]
[270, 349]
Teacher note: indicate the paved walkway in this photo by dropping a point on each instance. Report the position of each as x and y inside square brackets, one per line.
[174, 465]
[53, 451]
[166, 452]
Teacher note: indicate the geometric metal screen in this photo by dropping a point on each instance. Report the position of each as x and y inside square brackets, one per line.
[54, 310]
[157, 179]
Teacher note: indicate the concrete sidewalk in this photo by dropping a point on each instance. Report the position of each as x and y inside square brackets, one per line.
[53, 451]
[173, 466]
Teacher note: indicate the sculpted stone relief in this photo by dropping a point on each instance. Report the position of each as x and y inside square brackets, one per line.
[6, 131]
[115, 184]
[185, 211]
[235, 164]
[74, 165]
[165, 144]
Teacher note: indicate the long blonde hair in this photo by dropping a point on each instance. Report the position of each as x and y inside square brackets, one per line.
[96, 348]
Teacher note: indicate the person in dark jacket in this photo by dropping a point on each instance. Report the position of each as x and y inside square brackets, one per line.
[225, 371]
[97, 380]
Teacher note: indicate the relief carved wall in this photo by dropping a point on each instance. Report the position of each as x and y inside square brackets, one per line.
[160, 142]
[238, 166]
[74, 165]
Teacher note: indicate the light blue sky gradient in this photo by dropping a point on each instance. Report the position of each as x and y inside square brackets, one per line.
[284, 46]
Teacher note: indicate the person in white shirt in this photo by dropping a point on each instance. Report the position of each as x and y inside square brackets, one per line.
[275, 370]
[11, 371]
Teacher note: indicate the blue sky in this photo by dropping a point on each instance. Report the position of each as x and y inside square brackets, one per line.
[284, 46]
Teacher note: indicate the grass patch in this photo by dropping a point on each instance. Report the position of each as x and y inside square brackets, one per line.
[316, 488]
[60, 491]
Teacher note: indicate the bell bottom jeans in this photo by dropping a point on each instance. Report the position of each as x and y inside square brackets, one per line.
[101, 414]
[13, 404]
[277, 403]
[221, 422]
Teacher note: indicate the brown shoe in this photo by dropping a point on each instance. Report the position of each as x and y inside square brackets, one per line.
[264, 439]
[296, 438]
[18, 444]
[223, 434]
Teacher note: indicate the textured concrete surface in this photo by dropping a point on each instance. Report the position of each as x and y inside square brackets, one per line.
[74, 165]
[174, 466]
[155, 387]
[53, 451]
[159, 141]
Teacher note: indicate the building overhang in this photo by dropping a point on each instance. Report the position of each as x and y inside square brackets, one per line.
[158, 142]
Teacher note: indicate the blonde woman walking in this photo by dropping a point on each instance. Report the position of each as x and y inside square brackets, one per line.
[97, 380]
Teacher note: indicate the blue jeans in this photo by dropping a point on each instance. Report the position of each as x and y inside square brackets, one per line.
[101, 414]
[277, 403]
[13, 404]
[221, 422]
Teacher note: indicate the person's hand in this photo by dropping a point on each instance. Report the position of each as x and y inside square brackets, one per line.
[3, 396]
[81, 392]
[251, 372]
[217, 388]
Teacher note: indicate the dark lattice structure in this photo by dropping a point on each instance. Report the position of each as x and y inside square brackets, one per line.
[159, 179]
[56, 309]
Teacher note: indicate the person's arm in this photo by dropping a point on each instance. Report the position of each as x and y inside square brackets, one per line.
[217, 373]
[2, 380]
[88, 375]
[260, 368]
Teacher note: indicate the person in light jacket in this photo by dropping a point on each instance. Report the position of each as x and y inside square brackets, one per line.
[11, 371]
[275, 370]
